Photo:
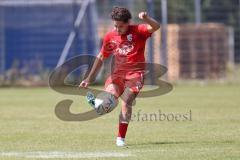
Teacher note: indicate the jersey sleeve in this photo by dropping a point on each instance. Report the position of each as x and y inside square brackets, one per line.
[106, 44]
[142, 30]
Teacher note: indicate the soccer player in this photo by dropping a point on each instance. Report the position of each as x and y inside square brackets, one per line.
[126, 42]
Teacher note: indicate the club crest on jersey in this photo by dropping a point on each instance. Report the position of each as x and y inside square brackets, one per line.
[129, 37]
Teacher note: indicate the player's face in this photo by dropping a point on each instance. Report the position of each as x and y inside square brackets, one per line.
[121, 27]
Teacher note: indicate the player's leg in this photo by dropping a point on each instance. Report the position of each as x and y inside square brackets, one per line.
[114, 86]
[106, 101]
[133, 85]
[128, 98]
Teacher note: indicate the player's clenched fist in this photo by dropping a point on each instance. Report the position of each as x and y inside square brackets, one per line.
[143, 15]
[83, 84]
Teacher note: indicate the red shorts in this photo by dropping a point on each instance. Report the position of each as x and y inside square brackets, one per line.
[132, 80]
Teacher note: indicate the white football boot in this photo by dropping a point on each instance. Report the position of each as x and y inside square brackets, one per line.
[120, 142]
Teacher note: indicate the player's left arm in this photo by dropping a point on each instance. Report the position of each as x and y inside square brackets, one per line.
[152, 24]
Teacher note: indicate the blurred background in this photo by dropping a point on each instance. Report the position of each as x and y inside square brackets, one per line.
[198, 40]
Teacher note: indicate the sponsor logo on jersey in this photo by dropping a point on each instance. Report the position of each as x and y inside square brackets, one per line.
[125, 48]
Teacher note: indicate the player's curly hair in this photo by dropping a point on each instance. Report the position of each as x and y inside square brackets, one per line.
[121, 14]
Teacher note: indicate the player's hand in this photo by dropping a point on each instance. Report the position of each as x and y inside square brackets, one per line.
[84, 84]
[143, 15]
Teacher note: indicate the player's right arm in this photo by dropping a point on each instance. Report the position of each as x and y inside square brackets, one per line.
[107, 48]
[94, 71]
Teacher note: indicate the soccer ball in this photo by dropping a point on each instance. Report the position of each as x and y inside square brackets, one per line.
[105, 103]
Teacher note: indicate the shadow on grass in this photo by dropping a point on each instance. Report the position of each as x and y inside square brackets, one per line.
[180, 142]
[159, 143]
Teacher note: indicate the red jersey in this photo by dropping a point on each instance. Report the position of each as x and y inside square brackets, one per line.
[128, 49]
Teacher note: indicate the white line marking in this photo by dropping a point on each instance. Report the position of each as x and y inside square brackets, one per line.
[59, 154]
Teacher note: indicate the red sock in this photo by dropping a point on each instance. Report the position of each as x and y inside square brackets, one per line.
[122, 130]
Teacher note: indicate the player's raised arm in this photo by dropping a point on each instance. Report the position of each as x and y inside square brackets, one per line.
[153, 25]
[94, 70]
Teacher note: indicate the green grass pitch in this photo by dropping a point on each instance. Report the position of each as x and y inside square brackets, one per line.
[29, 128]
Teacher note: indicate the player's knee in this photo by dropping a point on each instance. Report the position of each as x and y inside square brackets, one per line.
[125, 117]
[128, 97]
[128, 101]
